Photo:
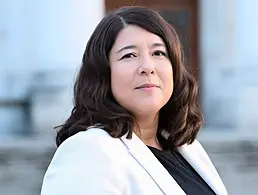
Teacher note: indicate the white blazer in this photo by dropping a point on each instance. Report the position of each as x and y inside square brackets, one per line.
[93, 163]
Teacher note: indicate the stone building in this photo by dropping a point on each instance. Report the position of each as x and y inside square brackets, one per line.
[41, 46]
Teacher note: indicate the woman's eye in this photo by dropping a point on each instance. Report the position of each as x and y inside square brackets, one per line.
[130, 55]
[159, 53]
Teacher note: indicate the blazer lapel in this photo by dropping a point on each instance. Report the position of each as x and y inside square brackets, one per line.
[141, 153]
[199, 160]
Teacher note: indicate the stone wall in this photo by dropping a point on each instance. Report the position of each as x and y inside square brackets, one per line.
[22, 166]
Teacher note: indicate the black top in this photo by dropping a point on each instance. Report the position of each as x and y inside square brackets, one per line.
[183, 173]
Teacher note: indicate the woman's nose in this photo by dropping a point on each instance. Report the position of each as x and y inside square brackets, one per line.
[146, 66]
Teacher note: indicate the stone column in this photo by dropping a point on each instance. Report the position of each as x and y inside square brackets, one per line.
[217, 57]
[247, 68]
[42, 44]
[64, 28]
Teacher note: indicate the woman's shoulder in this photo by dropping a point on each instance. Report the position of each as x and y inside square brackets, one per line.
[197, 151]
[89, 133]
[196, 146]
[82, 162]
[93, 138]
[86, 148]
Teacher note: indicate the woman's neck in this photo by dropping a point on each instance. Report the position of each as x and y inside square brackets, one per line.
[147, 131]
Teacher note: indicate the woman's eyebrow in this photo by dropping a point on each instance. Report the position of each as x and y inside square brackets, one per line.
[126, 47]
[158, 45]
[134, 46]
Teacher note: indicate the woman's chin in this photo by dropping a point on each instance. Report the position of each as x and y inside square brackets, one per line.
[148, 109]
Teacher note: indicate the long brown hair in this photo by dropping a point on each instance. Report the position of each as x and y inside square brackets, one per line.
[93, 99]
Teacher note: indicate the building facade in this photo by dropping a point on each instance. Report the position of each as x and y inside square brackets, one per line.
[41, 47]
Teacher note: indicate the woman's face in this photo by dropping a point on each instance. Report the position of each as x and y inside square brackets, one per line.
[141, 72]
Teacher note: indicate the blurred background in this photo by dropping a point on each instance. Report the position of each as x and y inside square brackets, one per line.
[41, 47]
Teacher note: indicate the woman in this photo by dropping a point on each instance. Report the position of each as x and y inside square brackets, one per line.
[133, 126]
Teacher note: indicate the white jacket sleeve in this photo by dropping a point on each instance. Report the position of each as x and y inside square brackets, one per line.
[81, 166]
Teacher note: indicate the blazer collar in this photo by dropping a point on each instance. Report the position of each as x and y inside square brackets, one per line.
[199, 160]
[194, 154]
[152, 166]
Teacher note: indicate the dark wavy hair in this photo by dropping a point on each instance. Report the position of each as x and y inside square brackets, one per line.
[94, 102]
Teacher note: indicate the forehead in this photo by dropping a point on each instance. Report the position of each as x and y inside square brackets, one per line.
[133, 34]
